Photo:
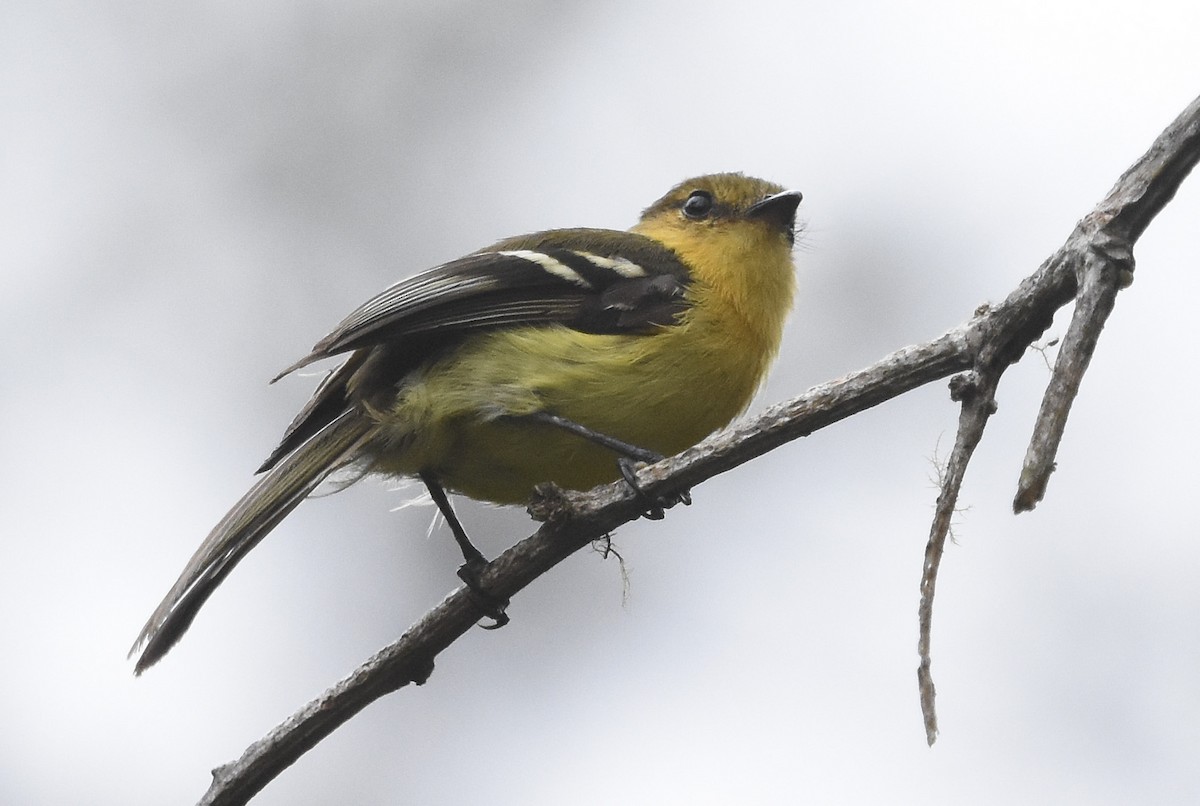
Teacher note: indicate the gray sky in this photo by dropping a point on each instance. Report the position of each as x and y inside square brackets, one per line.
[190, 197]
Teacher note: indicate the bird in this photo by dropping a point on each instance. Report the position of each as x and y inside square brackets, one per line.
[563, 356]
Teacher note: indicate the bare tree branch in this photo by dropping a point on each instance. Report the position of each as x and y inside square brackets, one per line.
[1098, 295]
[1092, 265]
[1100, 255]
[977, 392]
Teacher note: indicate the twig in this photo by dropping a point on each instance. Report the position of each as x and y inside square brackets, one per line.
[1097, 296]
[1100, 252]
[977, 392]
[994, 338]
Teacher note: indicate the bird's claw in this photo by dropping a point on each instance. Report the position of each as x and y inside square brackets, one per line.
[656, 505]
[491, 606]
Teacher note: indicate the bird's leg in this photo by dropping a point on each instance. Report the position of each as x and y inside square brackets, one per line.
[629, 454]
[474, 560]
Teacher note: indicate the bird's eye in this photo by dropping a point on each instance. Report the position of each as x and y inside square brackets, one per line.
[698, 205]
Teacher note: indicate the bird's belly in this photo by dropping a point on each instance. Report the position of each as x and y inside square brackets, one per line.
[643, 390]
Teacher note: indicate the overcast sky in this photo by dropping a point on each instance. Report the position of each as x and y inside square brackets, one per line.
[191, 195]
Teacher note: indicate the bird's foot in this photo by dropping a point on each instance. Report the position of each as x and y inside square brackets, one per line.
[656, 505]
[491, 606]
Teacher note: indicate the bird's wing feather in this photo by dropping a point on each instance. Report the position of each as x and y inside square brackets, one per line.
[597, 281]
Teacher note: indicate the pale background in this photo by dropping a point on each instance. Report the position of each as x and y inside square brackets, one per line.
[189, 197]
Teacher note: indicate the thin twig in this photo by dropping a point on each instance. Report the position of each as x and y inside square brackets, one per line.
[977, 392]
[1097, 296]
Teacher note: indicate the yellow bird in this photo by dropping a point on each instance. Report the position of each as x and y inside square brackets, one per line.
[562, 356]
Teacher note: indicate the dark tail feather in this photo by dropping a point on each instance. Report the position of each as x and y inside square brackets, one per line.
[257, 513]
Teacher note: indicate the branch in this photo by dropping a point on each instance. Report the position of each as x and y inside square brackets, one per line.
[992, 340]
[572, 521]
[977, 392]
[1100, 254]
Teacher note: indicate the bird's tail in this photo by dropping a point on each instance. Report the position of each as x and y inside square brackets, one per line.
[274, 495]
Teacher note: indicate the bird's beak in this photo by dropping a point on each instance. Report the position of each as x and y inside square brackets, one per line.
[780, 207]
[779, 210]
